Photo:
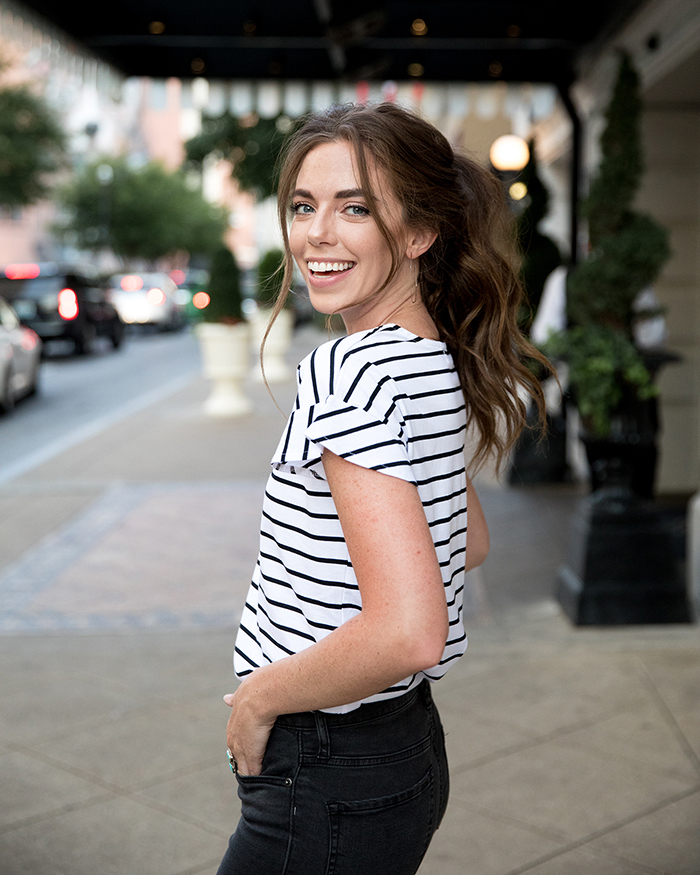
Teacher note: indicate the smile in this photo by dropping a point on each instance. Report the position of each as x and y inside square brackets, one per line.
[329, 266]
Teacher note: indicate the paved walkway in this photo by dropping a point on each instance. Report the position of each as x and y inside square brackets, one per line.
[123, 565]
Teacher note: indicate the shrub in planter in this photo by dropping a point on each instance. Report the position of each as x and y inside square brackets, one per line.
[224, 289]
[224, 339]
[627, 252]
[622, 566]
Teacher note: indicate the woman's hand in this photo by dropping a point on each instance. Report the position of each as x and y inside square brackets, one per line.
[247, 732]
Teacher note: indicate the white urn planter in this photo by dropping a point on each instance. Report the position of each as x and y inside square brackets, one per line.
[226, 359]
[276, 346]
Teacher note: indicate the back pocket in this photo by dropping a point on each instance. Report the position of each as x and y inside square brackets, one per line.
[384, 836]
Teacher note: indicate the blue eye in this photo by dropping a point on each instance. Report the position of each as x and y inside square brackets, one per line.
[301, 209]
[357, 210]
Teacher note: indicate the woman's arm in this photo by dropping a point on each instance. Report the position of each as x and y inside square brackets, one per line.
[401, 629]
[478, 541]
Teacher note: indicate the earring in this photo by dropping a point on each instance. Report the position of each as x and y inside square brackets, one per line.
[414, 277]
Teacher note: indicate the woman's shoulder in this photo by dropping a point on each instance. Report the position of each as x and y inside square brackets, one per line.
[371, 347]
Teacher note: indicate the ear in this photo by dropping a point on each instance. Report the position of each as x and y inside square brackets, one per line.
[419, 241]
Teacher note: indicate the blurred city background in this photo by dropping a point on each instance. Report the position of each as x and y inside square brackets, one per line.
[139, 245]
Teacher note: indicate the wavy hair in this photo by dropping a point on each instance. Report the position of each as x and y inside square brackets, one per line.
[469, 277]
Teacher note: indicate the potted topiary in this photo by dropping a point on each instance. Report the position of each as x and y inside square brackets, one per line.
[224, 338]
[611, 379]
[278, 339]
[623, 566]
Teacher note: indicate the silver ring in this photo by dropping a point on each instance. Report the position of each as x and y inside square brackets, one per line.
[233, 765]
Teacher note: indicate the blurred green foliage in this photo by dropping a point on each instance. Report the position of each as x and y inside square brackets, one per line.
[270, 272]
[250, 144]
[32, 146]
[627, 252]
[224, 289]
[144, 212]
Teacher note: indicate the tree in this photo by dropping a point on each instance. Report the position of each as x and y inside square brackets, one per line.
[31, 146]
[627, 252]
[146, 212]
[251, 145]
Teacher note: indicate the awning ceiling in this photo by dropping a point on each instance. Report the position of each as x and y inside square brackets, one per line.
[461, 40]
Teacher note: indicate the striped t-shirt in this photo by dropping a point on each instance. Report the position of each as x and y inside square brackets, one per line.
[387, 400]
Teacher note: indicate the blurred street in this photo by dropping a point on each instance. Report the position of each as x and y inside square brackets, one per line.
[81, 395]
[128, 524]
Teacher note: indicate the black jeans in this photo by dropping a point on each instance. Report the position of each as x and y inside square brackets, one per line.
[344, 794]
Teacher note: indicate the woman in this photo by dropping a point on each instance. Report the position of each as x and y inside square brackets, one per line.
[356, 601]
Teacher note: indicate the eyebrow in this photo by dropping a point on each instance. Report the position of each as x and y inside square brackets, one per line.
[339, 195]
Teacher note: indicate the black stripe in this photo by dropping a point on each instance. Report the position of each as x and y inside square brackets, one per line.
[423, 459]
[328, 560]
[246, 657]
[317, 516]
[312, 369]
[335, 539]
[437, 434]
[317, 581]
[282, 628]
[302, 483]
[276, 643]
[445, 411]
[440, 498]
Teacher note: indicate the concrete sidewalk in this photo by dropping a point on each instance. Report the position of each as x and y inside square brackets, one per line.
[123, 565]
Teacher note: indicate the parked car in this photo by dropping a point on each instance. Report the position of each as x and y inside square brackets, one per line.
[61, 304]
[147, 299]
[20, 358]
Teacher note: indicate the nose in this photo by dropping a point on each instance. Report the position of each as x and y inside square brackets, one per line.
[321, 229]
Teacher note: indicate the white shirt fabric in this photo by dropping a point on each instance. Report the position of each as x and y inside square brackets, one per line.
[387, 400]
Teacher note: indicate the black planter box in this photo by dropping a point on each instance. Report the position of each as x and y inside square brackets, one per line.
[623, 566]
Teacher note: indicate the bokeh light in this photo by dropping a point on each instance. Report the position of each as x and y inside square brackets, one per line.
[156, 297]
[509, 152]
[131, 283]
[517, 191]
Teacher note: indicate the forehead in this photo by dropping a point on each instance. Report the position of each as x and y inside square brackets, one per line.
[330, 159]
[335, 163]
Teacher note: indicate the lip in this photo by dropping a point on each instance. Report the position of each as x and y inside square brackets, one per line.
[331, 277]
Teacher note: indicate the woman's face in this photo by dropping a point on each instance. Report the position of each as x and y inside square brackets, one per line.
[336, 242]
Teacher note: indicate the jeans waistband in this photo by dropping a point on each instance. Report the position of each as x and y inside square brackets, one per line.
[366, 712]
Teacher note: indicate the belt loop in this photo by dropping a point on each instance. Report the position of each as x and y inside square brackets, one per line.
[324, 742]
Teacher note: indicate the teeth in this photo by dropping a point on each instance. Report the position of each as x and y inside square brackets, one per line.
[328, 266]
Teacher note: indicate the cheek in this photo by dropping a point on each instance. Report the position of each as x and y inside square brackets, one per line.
[296, 239]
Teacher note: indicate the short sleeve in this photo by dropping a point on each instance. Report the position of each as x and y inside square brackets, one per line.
[358, 417]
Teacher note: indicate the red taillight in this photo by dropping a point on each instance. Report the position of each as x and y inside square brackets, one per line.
[22, 271]
[177, 276]
[29, 340]
[156, 297]
[131, 283]
[67, 304]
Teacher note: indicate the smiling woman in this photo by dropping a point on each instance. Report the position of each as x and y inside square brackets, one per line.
[355, 607]
[339, 248]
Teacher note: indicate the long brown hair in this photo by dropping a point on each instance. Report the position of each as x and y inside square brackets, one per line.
[468, 278]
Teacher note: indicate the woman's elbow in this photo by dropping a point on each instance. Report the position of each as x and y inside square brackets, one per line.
[478, 547]
[424, 647]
